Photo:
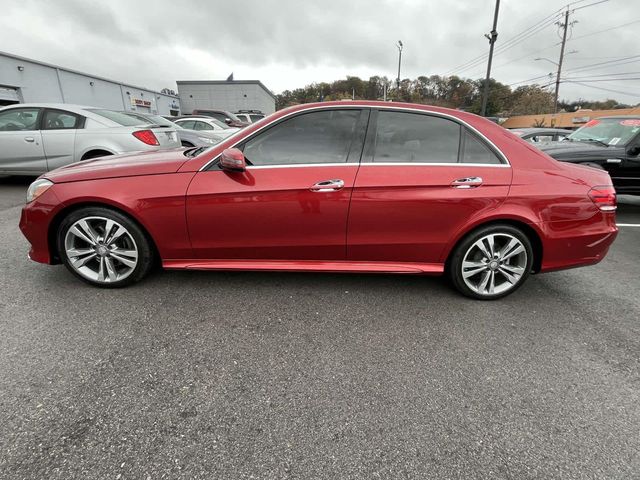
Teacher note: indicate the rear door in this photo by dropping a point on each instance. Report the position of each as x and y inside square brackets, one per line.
[59, 129]
[21, 142]
[422, 178]
[292, 201]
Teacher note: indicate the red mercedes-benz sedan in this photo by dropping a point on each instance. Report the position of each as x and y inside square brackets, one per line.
[332, 187]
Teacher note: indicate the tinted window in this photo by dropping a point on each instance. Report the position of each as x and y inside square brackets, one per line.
[318, 137]
[117, 117]
[19, 119]
[202, 126]
[412, 137]
[59, 120]
[255, 118]
[186, 124]
[219, 116]
[477, 152]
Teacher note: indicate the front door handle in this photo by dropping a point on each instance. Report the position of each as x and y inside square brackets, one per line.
[468, 182]
[328, 185]
[29, 139]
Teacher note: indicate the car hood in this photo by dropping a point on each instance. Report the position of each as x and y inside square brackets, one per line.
[125, 165]
[578, 151]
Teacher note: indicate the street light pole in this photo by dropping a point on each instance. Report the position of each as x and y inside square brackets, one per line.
[492, 36]
[399, 46]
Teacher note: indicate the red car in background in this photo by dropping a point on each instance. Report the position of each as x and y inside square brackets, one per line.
[338, 187]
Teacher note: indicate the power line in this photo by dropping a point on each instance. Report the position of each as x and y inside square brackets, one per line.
[605, 30]
[520, 37]
[607, 89]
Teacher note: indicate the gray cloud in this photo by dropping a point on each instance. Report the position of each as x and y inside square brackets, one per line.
[290, 43]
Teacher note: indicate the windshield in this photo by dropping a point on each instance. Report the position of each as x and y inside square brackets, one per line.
[610, 131]
[219, 123]
[117, 117]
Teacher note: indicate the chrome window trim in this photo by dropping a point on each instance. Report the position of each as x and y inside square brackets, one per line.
[294, 165]
[371, 107]
[436, 164]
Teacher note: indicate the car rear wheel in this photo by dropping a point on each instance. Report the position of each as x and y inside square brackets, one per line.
[104, 247]
[491, 262]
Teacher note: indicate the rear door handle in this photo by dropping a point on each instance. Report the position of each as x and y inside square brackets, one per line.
[328, 185]
[468, 182]
[29, 139]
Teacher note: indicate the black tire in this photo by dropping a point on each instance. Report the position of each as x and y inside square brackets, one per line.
[464, 248]
[96, 154]
[145, 256]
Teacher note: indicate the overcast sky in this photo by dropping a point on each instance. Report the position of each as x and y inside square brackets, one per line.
[290, 43]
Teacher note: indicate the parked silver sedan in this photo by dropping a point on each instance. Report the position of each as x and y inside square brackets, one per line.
[36, 138]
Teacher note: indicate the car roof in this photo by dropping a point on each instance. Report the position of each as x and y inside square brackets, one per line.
[63, 106]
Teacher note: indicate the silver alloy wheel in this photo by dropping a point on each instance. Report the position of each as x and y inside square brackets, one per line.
[101, 249]
[494, 264]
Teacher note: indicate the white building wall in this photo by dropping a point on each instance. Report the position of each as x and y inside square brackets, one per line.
[35, 82]
[225, 96]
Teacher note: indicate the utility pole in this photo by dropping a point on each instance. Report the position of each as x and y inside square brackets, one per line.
[564, 26]
[399, 46]
[492, 36]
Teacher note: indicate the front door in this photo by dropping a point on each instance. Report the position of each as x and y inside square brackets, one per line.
[422, 179]
[21, 142]
[292, 201]
[59, 129]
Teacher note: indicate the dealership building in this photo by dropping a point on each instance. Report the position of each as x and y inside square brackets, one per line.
[23, 80]
[230, 95]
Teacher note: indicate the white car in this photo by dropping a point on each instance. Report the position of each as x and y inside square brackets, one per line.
[201, 123]
[37, 138]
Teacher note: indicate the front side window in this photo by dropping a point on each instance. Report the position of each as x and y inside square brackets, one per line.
[60, 120]
[18, 119]
[413, 137]
[317, 137]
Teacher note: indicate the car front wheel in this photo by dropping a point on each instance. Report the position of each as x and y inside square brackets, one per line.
[492, 262]
[104, 247]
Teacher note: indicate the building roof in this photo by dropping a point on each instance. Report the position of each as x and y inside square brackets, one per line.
[565, 119]
[64, 69]
[225, 82]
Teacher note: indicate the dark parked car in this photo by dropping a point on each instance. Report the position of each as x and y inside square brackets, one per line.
[608, 143]
[222, 115]
[538, 135]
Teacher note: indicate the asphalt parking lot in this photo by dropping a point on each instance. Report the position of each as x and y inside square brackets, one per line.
[280, 375]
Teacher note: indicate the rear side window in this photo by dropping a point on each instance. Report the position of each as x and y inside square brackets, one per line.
[202, 126]
[61, 120]
[317, 137]
[475, 151]
[117, 117]
[186, 124]
[18, 119]
[412, 137]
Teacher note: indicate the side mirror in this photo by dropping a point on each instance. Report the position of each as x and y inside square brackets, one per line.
[227, 121]
[233, 160]
[633, 150]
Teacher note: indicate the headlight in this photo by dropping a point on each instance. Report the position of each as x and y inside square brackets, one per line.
[37, 188]
[207, 140]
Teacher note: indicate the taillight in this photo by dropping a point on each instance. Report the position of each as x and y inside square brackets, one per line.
[604, 198]
[146, 136]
